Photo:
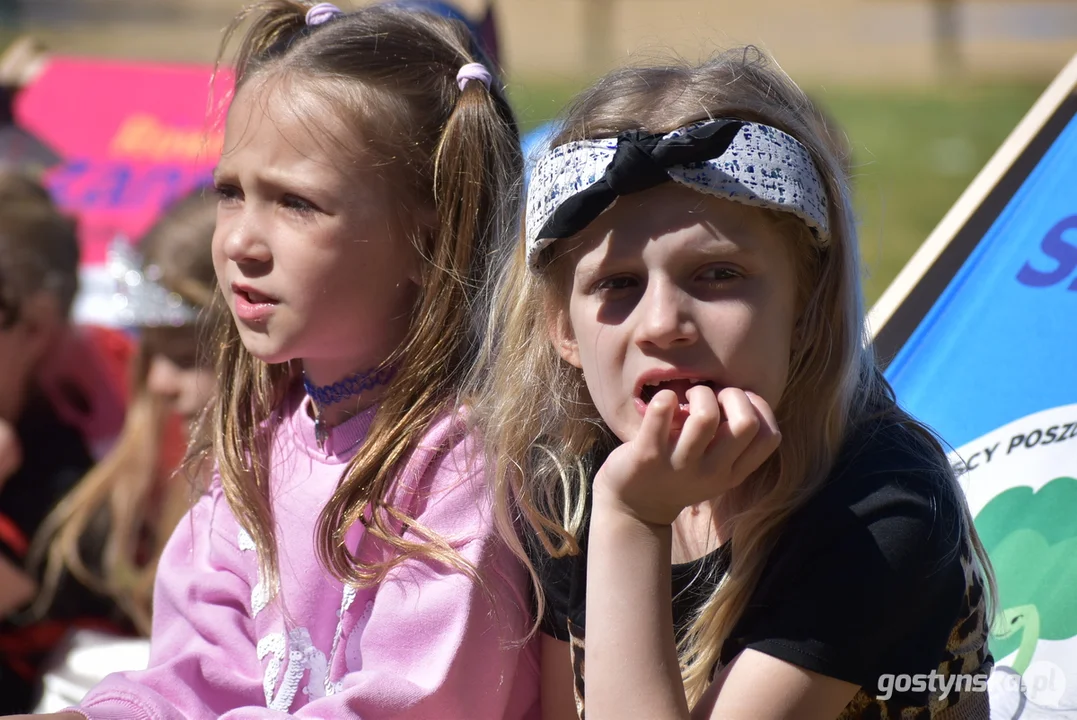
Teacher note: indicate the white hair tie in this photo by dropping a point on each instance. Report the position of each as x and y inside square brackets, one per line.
[474, 71]
[323, 12]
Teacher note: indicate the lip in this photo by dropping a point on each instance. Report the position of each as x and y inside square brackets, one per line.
[248, 311]
[660, 375]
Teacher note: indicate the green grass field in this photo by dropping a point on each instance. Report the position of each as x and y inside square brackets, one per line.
[914, 152]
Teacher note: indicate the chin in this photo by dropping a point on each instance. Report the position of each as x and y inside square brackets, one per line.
[623, 429]
[272, 358]
[268, 352]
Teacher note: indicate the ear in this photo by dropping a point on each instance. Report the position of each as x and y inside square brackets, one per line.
[559, 329]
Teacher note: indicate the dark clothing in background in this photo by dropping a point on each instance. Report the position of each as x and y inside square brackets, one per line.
[55, 459]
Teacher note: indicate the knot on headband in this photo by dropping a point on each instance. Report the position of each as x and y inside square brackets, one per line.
[473, 71]
[640, 162]
[633, 167]
[322, 12]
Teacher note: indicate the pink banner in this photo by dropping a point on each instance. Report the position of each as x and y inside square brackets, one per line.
[133, 137]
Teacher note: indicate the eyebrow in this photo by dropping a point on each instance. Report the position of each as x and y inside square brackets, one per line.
[714, 244]
[271, 178]
[586, 271]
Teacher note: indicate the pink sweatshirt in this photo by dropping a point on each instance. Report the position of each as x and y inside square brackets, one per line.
[427, 643]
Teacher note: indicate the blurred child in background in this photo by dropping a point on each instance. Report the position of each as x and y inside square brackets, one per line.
[108, 532]
[41, 455]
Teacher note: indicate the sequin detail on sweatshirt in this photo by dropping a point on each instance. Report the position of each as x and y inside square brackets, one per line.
[259, 593]
[346, 599]
[353, 649]
[302, 657]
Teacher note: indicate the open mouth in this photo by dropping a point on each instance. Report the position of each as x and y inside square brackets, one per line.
[251, 306]
[254, 297]
[681, 386]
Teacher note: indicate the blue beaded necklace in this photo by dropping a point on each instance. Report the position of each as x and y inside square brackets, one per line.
[326, 395]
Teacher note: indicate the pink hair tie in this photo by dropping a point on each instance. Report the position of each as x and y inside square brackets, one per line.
[322, 12]
[474, 71]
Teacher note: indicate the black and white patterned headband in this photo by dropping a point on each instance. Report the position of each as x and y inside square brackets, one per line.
[746, 162]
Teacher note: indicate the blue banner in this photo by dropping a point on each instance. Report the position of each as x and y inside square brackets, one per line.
[992, 367]
[1001, 341]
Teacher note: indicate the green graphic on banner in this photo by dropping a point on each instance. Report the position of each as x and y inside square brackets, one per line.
[1031, 538]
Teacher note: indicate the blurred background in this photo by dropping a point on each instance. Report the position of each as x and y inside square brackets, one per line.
[925, 89]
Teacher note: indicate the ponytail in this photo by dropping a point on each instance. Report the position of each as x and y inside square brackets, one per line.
[276, 24]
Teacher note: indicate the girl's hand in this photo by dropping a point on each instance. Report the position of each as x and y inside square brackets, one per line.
[660, 472]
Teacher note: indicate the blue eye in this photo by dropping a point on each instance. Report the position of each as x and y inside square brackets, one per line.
[227, 193]
[298, 204]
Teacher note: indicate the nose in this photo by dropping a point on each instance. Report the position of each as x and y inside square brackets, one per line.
[241, 238]
[163, 378]
[666, 318]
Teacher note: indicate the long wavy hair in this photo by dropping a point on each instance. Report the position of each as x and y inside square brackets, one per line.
[110, 529]
[447, 153]
[543, 435]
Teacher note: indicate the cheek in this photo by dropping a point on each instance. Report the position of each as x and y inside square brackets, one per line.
[197, 387]
[161, 378]
[753, 345]
[217, 242]
[370, 264]
[777, 368]
[601, 359]
[203, 383]
[219, 259]
[773, 346]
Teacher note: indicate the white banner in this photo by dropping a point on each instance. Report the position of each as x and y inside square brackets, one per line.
[1021, 484]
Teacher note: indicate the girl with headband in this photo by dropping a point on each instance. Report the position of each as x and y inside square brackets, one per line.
[344, 562]
[726, 512]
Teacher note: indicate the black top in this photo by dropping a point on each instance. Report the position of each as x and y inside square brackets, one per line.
[873, 576]
[55, 458]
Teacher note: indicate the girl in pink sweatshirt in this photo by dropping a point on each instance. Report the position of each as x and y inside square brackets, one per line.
[344, 562]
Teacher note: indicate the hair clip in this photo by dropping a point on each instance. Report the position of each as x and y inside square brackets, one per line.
[474, 71]
[323, 12]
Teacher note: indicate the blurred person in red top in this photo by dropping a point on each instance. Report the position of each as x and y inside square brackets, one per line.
[95, 554]
[42, 456]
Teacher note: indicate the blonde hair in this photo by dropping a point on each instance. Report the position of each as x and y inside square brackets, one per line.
[445, 152]
[110, 529]
[541, 430]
